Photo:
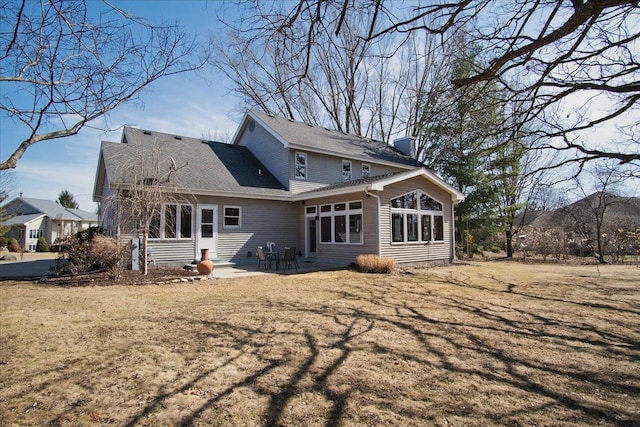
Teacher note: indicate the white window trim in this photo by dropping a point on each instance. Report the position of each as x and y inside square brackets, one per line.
[350, 172]
[224, 216]
[362, 170]
[295, 164]
[420, 212]
[163, 211]
[347, 213]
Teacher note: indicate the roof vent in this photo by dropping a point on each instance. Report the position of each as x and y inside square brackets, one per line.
[204, 142]
[310, 125]
[178, 138]
[327, 129]
[291, 120]
[146, 132]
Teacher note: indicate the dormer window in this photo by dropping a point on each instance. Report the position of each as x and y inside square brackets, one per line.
[346, 170]
[301, 165]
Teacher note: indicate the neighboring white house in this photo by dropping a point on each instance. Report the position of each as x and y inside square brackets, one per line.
[329, 194]
[31, 219]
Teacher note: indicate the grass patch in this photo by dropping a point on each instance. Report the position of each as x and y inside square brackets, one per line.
[489, 344]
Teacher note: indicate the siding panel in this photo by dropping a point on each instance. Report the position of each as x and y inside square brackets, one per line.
[269, 151]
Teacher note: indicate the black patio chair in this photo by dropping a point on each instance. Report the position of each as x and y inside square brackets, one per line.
[289, 259]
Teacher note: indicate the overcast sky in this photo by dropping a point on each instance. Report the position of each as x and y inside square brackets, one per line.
[190, 105]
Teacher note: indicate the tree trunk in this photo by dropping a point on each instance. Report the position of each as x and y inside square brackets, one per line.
[509, 244]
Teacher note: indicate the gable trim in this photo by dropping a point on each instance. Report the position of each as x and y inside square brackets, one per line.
[456, 196]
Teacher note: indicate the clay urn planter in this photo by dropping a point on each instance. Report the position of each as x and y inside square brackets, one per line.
[205, 265]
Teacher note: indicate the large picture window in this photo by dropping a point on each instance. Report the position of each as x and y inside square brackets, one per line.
[173, 221]
[341, 223]
[416, 217]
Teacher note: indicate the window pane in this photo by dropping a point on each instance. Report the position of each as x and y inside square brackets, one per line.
[346, 170]
[438, 227]
[325, 208]
[355, 205]
[366, 170]
[311, 210]
[232, 221]
[426, 228]
[301, 165]
[185, 221]
[340, 207]
[428, 204]
[232, 211]
[355, 228]
[207, 216]
[408, 201]
[340, 229]
[397, 227]
[412, 227]
[325, 229]
[154, 225]
[206, 230]
[170, 221]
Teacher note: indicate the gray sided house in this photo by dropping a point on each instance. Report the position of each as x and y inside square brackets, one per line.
[31, 219]
[331, 195]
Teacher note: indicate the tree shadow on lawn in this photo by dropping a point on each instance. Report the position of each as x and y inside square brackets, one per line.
[417, 352]
[517, 365]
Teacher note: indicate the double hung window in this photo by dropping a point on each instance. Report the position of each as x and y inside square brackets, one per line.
[416, 217]
[232, 217]
[300, 165]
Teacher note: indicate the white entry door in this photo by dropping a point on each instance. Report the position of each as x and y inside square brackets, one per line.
[207, 230]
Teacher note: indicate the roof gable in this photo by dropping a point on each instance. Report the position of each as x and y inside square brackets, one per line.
[304, 136]
[378, 183]
[26, 206]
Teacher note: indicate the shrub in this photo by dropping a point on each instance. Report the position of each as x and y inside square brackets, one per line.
[375, 264]
[14, 246]
[73, 256]
[4, 241]
[106, 252]
[42, 245]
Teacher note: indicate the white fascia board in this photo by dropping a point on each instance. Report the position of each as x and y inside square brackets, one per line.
[456, 196]
[335, 192]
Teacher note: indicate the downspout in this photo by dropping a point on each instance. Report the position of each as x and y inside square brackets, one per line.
[377, 220]
[453, 231]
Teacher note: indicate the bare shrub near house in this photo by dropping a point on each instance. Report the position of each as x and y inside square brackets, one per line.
[375, 264]
[110, 254]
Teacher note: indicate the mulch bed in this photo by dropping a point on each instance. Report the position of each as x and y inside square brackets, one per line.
[154, 276]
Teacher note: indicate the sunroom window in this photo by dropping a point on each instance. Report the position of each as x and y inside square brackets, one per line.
[341, 223]
[173, 221]
[416, 217]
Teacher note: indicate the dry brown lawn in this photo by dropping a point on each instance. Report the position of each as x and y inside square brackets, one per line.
[488, 344]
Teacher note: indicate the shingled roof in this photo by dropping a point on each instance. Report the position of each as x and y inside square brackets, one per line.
[309, 137]
[203, 167]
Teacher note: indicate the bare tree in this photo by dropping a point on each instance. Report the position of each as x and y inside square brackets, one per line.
[575, 63]
[147, 195]
[589, 214]
[301, 70]
[63, 65]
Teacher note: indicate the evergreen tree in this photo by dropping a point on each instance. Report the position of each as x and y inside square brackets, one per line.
[458, 141]
[67, 200]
